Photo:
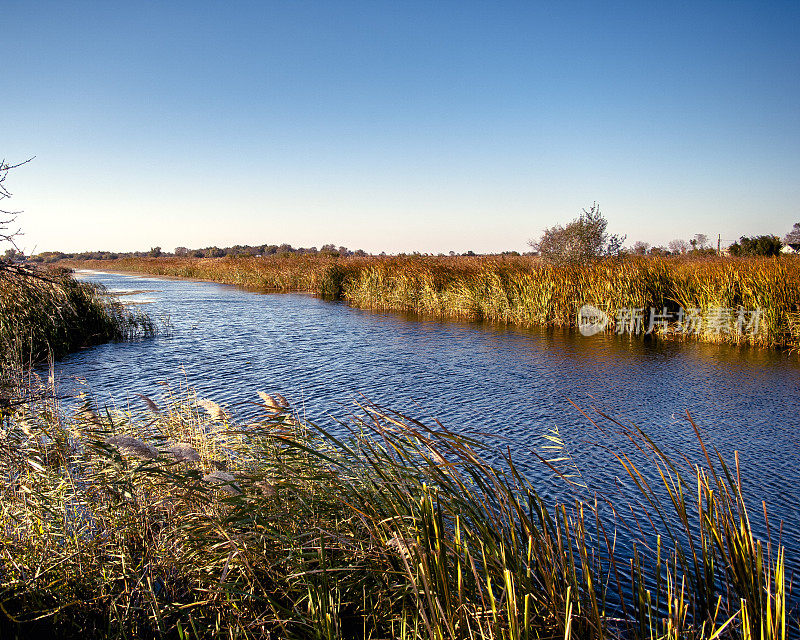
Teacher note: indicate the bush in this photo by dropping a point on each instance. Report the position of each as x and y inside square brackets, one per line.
[582, 240]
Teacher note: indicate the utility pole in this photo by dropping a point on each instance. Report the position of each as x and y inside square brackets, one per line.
[719, 242]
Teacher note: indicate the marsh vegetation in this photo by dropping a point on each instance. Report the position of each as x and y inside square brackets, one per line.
[48, 313]
[183, 521]
[524, 291]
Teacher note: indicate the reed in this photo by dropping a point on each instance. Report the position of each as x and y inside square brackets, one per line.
[383, 528]
[49, 313]
[525, 291]
[317, 274]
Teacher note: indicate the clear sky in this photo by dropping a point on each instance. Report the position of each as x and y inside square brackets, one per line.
[397, 126]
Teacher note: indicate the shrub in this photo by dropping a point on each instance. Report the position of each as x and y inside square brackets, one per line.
[582, 240]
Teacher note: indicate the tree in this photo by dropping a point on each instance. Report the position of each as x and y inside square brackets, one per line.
[8, 218]
[154, 252]
[582, 240]
[678, 246]
[640, 248]
[756, 246]
[699, 241]
[793, 237]
[181, 251]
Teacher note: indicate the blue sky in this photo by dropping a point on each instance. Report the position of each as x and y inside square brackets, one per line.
[397, 126]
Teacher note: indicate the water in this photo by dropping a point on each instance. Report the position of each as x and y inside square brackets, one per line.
[513, 382]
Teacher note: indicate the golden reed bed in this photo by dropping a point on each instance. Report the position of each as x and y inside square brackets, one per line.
[737, 300]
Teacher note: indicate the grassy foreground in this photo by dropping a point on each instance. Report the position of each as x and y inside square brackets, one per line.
[182, 521]
[526, 291]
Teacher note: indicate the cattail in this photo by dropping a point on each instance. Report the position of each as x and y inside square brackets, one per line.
[274, 404]
[85, 414]
[400, 546]
[271, 402]
[437, 457]
[150, 404]
[267, 489]
[224, 480]
[184, 452]
[214, 411]
[25, 426]
[132, 446]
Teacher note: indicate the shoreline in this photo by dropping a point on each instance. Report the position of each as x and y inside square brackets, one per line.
[524, 292]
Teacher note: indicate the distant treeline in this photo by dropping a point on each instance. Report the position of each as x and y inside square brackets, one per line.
[206, 252]
[766, 245]
[237, 251]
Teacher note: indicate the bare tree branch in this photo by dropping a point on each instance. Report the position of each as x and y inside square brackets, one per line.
[10, 217]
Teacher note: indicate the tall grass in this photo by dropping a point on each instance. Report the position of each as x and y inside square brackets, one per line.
[387, 528]
[525, 291]
[317, 274]
[530, 292]
[49, 313]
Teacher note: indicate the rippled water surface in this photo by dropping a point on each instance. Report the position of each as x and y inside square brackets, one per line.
[228, 344]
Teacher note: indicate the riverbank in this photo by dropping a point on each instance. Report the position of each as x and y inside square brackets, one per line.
[753, 301]
[180, 520]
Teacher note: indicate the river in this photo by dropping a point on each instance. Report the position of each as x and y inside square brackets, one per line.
[510, 382]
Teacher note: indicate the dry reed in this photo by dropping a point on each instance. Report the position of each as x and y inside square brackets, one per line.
[387, 528]
[525, 291]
